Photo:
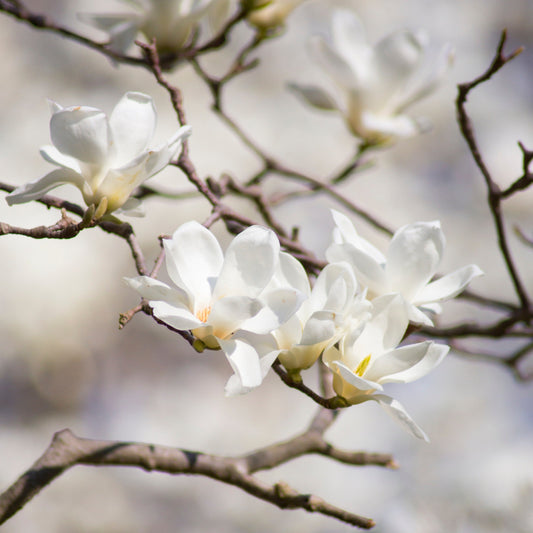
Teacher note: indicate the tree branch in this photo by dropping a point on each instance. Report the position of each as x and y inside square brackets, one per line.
[67, 450]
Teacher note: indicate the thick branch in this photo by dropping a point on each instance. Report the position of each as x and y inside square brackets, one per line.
[68, 450]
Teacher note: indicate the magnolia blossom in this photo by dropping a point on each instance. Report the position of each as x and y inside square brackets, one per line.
[222, 298]
[377, 83]
[171, 23]
[333, 306]
[105, 158]
[412, 258]
[366, 360]
[268, 14]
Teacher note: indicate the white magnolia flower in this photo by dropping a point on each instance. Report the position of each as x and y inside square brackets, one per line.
[268, 14]
[412, 258]
[106, 158]
[222, 298]
[377, 83]
[172, 23]
[364, 362]
[330, 308]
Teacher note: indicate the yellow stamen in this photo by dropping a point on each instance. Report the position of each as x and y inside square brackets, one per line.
[363, 365]
[203, 314]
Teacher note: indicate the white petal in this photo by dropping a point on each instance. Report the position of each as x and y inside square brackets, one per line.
[177, 317]
[383, 332]
[132, 125]
[38, 188]
[280, 305]
[368, 271]
[413, 256]
[350, 235]
[194, 259]
[353, 379]
[334, 288]
[319, 328]
[448, 286]
[349, 34]
[396, 410]
[384, 128]
[53, 155]
[315, 96]
[398, 363]
[396, 58]
[249, 263]
[83, 133]
[152, 289]
[429, 355]
[245, 362]
[290, 272]
[231, 313]
[334, 64]
[160, 157]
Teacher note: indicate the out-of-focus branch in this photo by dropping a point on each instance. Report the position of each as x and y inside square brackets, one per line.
[495, 194]
[67, 450]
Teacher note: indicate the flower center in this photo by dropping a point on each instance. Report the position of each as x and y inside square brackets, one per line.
[363, 365]
[203, 314]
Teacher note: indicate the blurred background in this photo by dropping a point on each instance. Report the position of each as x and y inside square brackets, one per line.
[64, 363]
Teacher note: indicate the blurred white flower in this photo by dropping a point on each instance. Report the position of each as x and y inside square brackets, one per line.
[269, 14]
[333, 306]
[378, 83]
[413, 256]
[366, 360]
[172, 23]
[106, 158]
[222, 298]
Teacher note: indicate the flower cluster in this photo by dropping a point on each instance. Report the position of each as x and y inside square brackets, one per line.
[105, 158]
[269, 14]
[376, 83]
[172, 23]
[255, 304]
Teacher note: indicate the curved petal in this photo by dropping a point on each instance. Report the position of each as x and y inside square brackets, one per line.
[349, 35]
[281, 304]
[83, 133]
[245, 362]
[429, 355]
[231, 313]
[429, 78]
[334, 288]
[194, 259]
[53, 155]
[319, 328]
[448, 286]
[367, 270]
[249, 263]
[383, 128]
[348, 234]
[354, 380]
[398, 363]
[38, 188]
[132, 124]
[290, 272]
[395, 409]
[177, 317]
[161, 156]
[334, 64]
[314, 96]
[413, 256]
[396, 59]
[154, 290]
[383, 332]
